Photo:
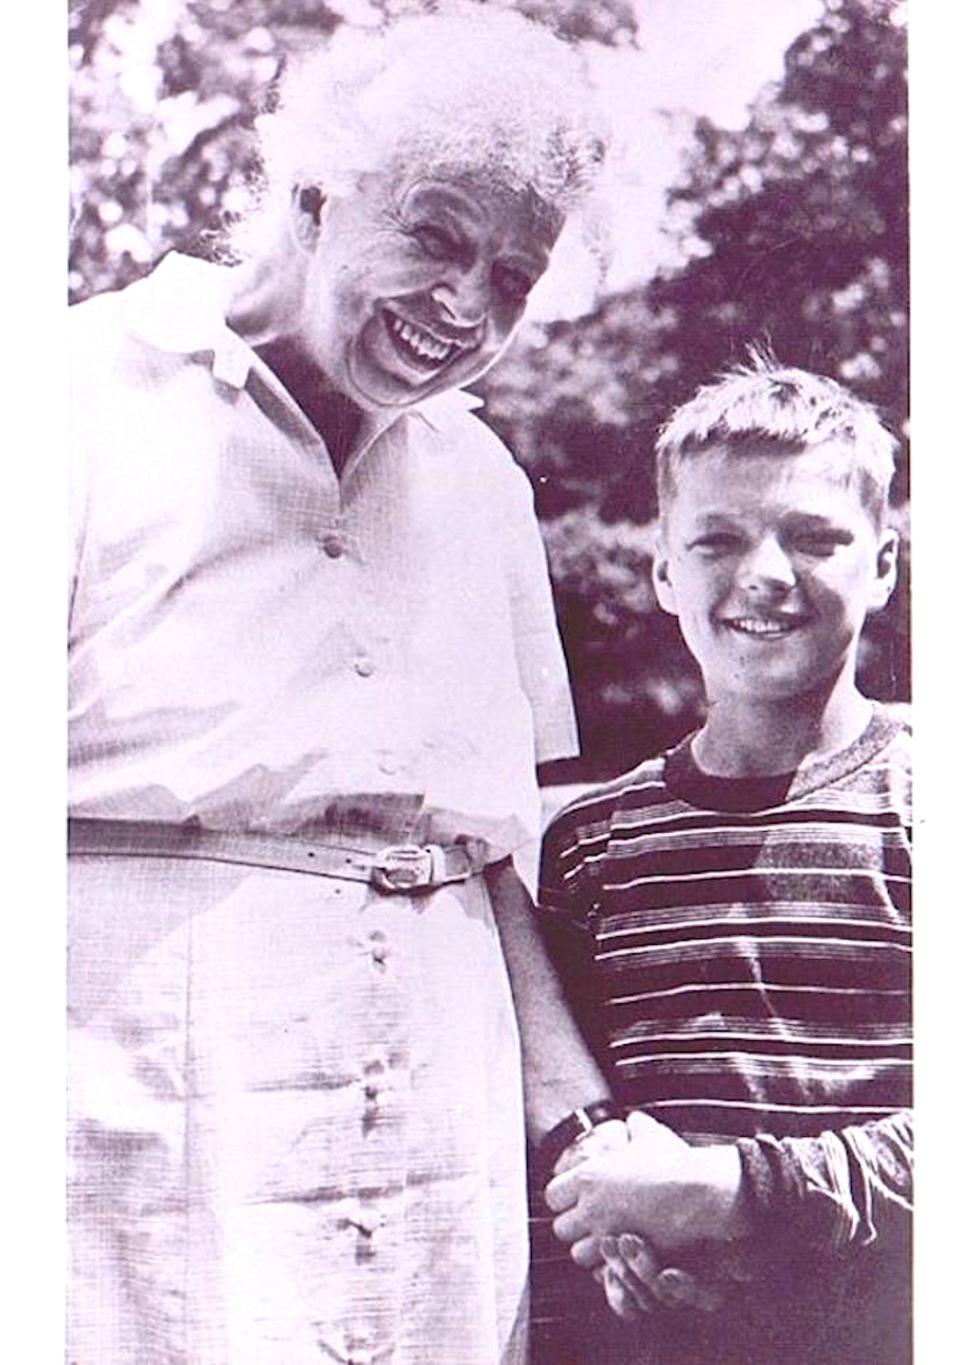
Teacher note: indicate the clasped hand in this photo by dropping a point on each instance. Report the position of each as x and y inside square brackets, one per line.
[632, 1192]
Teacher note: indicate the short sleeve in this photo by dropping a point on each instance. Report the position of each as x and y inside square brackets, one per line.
[76, 521]
[86, 344]
[540, 658]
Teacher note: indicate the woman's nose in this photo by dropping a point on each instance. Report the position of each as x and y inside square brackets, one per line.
[464, 297]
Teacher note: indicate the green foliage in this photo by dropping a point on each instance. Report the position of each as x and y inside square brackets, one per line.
[794, 233]
[632, 676]
[803, 219]
[163, 98]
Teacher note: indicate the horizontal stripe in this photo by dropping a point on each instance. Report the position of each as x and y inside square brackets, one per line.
[883, 970]
[829, 946]
[769, 1082]
[858, 1109]
[869, 810]
[872, 891]
[757, 986]
[760, 927]
[627, 916]
[868, 855]
[713, 1023]
[867, 827]
[847, 1010]
[789, 1045]
[717, 874]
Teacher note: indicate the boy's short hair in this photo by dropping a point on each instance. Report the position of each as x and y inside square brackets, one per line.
[764, 402]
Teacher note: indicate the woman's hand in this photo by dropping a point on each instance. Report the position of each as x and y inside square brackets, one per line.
[606, 1137]
[657, 1186]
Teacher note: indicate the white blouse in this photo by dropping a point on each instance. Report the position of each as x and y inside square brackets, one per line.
[254, 640]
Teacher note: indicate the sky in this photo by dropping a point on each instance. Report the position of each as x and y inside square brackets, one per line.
[707, 57]
[696, 57]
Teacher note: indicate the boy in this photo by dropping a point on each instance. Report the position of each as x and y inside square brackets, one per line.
[741, 909]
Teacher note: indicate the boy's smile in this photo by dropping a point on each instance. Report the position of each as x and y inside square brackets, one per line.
[771, 562]
[770, 626]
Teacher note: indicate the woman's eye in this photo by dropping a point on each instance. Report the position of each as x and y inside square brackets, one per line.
[513, 284]
[435, 242]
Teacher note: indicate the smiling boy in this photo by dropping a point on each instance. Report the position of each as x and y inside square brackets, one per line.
[742, 905]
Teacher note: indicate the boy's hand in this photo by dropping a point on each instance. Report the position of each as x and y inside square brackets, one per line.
[634, 1282]
[657, 1186]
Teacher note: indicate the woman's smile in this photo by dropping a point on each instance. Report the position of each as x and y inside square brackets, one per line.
[420, 345]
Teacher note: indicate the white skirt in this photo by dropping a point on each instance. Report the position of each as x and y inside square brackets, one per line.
[296, 1122]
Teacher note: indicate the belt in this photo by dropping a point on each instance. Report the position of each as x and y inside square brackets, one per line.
[398, 868]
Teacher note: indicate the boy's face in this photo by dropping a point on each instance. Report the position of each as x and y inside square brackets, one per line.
[771, 563]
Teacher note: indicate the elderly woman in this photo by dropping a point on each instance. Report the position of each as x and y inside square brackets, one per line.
[313, 662]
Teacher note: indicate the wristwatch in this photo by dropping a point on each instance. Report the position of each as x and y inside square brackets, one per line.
[571, 1129]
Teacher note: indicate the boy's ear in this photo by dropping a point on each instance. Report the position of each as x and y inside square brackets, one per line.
[886, 575]
[306, 208]
[662, 584]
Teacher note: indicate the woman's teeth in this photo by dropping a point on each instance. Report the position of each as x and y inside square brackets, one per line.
[424, 345]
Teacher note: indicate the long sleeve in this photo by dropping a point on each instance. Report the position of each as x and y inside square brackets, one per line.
[834, 1192]
[565, 916]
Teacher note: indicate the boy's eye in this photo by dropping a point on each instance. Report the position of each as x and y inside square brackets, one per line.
[435, 241]
[513, 283]
[716, 543]
[819, 543]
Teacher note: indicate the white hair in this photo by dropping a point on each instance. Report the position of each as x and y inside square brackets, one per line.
[470, 87]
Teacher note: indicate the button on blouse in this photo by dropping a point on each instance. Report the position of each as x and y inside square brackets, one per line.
[224, 670]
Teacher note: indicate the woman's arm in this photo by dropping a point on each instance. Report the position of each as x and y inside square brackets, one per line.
[559, 1072]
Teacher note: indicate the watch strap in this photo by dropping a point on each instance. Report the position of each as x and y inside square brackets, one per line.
[576, 1125]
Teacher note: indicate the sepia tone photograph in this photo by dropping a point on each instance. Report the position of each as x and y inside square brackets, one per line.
[489, 879]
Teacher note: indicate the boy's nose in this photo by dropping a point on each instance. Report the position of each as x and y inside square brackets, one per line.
[767, 566]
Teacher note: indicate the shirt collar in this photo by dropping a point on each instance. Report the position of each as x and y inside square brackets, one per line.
[444, 408]
[180, 307]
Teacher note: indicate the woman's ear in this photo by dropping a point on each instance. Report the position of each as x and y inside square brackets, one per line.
[306, 207]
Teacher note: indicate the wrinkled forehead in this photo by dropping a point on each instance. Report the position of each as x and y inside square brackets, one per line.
[485, 177]
[479, 195]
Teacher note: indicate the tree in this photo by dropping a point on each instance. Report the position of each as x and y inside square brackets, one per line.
[797, 226]
[794, 233]
[163, 98]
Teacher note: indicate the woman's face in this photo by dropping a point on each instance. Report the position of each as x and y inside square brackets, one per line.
[417, 282]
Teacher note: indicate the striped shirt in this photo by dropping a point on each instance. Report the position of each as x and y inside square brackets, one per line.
[738, 951]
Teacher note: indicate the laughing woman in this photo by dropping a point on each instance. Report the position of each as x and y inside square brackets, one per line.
[313, 663]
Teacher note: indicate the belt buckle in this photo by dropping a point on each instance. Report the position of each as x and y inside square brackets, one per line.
[402, 868]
